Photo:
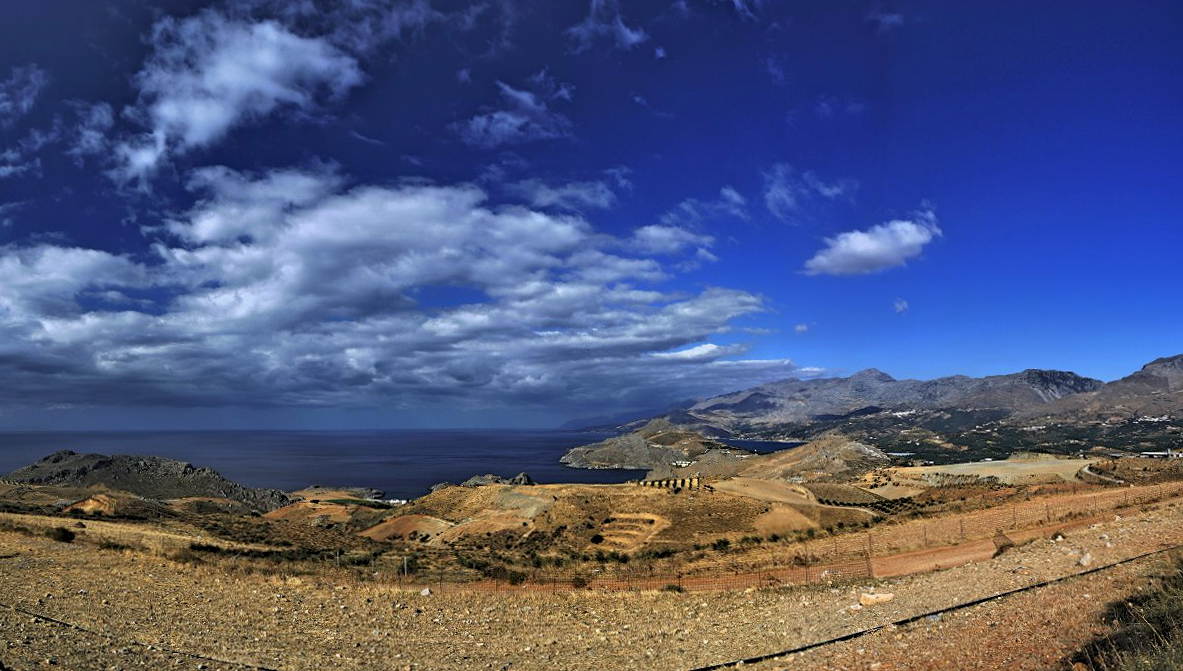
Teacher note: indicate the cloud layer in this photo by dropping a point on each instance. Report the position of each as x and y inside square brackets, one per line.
[285, 288]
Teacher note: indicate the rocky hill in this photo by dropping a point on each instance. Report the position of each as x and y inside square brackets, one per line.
[657, 445]
[150, 477]
[1154, 391]
[829, 457]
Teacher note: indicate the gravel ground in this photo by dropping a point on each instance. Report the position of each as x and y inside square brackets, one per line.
[139, 600]
[1026, 631]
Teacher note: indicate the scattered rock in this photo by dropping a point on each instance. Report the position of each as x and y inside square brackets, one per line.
[874, 599]
[426, 591]
[490, 479]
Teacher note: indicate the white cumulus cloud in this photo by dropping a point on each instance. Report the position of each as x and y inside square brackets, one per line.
[288, 289]
[880, 247]
[208, 74]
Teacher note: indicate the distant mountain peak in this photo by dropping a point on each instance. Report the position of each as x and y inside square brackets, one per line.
[872, 374]
[1170, 363]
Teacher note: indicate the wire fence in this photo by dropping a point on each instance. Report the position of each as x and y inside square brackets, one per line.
[836, 558]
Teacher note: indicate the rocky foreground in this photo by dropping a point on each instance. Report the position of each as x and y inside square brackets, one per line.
[139, 610]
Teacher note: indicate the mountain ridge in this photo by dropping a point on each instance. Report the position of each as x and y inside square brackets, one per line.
[954, 417]
[794, 400]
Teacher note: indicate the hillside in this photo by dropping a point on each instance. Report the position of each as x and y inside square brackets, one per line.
[1154, 391]
[123, 595]
[830, 457]
[657, 444]
[148, 476]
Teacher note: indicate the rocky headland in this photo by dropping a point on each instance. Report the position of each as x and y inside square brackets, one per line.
[148, 476]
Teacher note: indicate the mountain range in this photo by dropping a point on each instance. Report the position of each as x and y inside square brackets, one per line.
[1033, 409]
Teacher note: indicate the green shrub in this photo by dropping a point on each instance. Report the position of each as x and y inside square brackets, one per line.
[1147, 630]
[61, 535]
[597, 539]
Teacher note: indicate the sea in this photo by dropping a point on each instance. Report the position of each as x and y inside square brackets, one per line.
[402, 464]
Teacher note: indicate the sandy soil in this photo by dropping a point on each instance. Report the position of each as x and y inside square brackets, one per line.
[404, 525]
[767, 490]
[333, 621]
[1015, 472]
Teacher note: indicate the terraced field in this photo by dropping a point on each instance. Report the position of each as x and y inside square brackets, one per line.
[628, 532]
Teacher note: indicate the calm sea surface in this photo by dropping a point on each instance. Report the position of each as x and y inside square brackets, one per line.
[404, 464]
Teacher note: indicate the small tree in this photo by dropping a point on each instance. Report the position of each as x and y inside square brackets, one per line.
[61, 535]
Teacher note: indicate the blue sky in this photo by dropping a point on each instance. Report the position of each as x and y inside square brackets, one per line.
[256, 213]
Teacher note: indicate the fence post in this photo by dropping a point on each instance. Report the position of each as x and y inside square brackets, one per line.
[961, 521]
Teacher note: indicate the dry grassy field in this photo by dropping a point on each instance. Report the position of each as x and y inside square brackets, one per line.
[1028, 471]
